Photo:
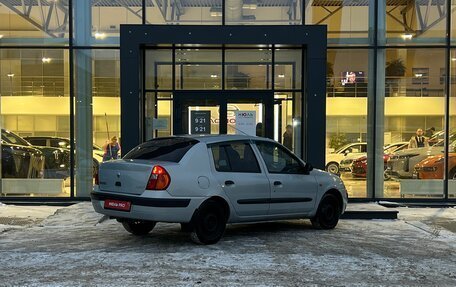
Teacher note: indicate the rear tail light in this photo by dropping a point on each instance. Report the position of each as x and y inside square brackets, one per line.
[159, 179]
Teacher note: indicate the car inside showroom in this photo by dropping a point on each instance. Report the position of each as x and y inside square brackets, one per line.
[385, 122]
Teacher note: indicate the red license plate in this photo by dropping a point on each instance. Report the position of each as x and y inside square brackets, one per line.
[117, 204]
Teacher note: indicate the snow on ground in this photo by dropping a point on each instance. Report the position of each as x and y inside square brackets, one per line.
[72, 247]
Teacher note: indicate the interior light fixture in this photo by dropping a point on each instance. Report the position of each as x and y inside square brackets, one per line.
[453, 59]
[250, 4]
[10, 75]
[418, 75]
[100, 36]
[281, 75]
[1, 36]
[216, 12]
[407, 36]
[214, 76]
[46, 60]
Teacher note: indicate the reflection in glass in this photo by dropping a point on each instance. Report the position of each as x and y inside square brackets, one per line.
[198, 69]
[346, 118]
[414, 114]
[32, 161]
[248, 69]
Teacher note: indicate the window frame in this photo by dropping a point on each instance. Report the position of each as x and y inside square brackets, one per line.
[248, 143]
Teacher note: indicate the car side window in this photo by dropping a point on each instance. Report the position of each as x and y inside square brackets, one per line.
[234, 157]
[278, 159]
[38, 142]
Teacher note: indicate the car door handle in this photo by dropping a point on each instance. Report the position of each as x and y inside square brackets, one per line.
[276, 183]
[229, 182]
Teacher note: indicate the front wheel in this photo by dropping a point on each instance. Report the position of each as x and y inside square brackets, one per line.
[333, 168]
[328, 213]
[138, 227]
[209, 223]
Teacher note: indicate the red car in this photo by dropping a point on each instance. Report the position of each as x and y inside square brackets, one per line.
[432, 167]
[359, 165]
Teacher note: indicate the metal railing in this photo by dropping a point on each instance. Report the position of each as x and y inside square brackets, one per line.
[394, 87]
[50, 86]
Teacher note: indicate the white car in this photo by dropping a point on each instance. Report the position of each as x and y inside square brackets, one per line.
[333, 159]
[205, 182]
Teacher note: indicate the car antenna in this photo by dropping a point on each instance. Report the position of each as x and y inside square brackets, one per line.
[238, 130]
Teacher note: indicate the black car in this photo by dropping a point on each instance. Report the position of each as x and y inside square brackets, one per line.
[19, 158]
[61, 142]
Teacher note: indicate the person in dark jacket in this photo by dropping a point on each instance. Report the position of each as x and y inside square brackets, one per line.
[288, 137]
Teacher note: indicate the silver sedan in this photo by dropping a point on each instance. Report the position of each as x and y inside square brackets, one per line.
[205, 182]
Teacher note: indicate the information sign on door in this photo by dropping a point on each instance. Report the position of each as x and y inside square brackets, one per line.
[246, 122]
[200, 122]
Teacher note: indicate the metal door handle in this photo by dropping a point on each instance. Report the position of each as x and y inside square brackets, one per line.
[229, 182]
[277, 183]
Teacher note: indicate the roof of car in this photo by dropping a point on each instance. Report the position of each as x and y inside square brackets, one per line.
[221, 138]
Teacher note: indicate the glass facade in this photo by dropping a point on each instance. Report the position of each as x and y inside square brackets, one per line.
[391, 100]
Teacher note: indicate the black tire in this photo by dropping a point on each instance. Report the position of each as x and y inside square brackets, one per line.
[328, 213]
[138, 227]
[452, 174]
[186, 227]
[209, 223]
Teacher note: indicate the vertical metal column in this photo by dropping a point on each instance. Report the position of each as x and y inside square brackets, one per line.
[83, 98]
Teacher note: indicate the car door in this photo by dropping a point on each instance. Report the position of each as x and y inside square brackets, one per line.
[292, 191]
[238, 172]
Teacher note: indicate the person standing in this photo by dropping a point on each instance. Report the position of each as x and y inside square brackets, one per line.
[418, 140]
[111, 149]
[288, 137]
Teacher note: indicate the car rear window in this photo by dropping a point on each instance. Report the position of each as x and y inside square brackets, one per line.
[162, 149]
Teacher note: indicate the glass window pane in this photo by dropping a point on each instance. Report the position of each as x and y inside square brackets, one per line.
[98, 22]
[452, 132]
[97, 112]
[159, 69]
[252, 12]
[32, 81]
[347, 21]
[184, 12]
[198, 69]
[346, 117]
[278, 159]
[248, 69]
[288, 69]
[235, 157]
[414, 114]
[287, 120]
[413, 22]
[34, 23]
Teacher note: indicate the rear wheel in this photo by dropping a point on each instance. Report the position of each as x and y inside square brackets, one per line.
[209, 223]
[138, 227]
[328, 213]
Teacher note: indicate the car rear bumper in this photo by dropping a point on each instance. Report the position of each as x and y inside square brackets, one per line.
[146, 208]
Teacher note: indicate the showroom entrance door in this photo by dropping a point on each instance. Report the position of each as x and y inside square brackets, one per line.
[224, 112]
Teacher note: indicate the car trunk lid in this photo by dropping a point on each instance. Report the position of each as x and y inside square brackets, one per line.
[126, 176]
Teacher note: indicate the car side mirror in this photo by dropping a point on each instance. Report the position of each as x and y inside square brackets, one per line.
[307, 168]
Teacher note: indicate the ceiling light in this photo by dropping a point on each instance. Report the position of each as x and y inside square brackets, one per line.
[46, 60]
[407, 36]
[281, 76]
[418, 75]
[214, 76]
[1, 36]
[453, 59]
[99, 35]
[10, 75]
